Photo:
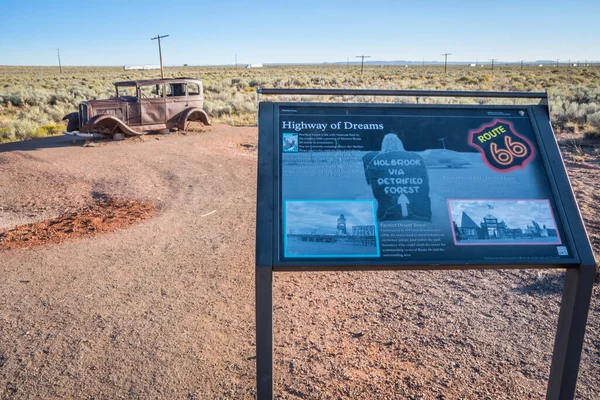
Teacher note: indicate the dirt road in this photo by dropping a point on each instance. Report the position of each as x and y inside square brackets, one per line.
[165, 308]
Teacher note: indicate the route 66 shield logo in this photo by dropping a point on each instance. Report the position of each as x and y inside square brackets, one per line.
[501, 147]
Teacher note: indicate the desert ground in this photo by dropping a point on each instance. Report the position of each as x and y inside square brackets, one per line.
[159, 303]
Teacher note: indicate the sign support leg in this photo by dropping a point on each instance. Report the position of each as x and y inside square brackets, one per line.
[264, 333]
[568, 343]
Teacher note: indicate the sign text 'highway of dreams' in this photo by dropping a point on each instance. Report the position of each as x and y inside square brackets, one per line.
[414, 185]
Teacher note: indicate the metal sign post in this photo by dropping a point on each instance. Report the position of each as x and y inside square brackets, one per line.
[392, 158]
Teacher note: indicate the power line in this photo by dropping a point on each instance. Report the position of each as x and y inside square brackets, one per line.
[162, 73]
[362, 62]
[446, 61]
[493, 60]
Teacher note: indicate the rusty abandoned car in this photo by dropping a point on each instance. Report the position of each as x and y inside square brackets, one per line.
[153, 105]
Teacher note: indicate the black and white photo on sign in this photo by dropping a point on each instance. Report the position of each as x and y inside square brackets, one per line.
[488, 222]
[330, 228]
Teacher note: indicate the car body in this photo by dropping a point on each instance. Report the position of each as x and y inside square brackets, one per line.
[142, 106]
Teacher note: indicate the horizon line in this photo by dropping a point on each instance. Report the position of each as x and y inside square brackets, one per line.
[568, 62]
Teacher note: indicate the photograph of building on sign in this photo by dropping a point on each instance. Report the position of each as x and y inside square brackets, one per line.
[335, 228]
[503, 222]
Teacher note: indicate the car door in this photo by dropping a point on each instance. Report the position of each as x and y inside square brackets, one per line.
[175, 101]
[152, 102]
[194, 93]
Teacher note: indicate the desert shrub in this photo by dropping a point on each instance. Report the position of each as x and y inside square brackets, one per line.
[21, 129]
[48, 130]
[217, 109]
[468, 80]
[14, 99]
[594, 120]
[242, 106]
[239, 83]
[5, 134]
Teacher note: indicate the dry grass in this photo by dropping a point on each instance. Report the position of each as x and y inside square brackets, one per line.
[34, 99]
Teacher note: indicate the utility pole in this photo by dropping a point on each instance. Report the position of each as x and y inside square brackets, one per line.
[493, 60]
[362, 62]
[557, 60]
[446, 61]
[347, 61]
[59, 65]
[236, 60]
[521, 64]
[162, 72]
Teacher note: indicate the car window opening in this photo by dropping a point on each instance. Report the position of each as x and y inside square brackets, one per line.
[193, 89]
[176, 89]
[151, 91]
[127, 93]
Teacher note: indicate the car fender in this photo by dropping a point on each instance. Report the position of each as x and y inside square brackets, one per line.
[192, 114]
[72, 121]
[105, 123]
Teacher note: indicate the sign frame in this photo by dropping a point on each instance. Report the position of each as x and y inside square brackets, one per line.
[580, 268]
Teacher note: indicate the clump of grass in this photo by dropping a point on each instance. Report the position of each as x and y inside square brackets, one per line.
[594, 120]
[20, 129]
[48, 130]
[592, 129]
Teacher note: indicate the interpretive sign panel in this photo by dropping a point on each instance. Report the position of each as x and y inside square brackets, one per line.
[392, 186]
[413, 185]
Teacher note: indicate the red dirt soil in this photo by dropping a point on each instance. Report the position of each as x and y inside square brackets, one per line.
[107, 215]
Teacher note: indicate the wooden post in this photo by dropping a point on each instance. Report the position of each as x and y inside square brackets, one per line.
[162, 73]
[362, 62]
[446, 61]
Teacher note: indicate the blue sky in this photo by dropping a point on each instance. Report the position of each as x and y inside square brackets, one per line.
[212, 32]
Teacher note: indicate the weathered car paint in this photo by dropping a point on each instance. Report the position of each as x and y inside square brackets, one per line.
[142, 114]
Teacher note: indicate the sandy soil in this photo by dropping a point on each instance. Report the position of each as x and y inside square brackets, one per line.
[165, 308]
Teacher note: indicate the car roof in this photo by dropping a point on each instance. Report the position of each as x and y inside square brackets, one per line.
[144, 82]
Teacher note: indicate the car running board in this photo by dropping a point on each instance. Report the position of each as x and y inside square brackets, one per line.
[84, 134]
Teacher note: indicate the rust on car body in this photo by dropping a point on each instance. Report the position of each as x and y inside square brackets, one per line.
[141, 106]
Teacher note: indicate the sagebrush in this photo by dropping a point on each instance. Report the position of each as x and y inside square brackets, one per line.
[33, 100]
